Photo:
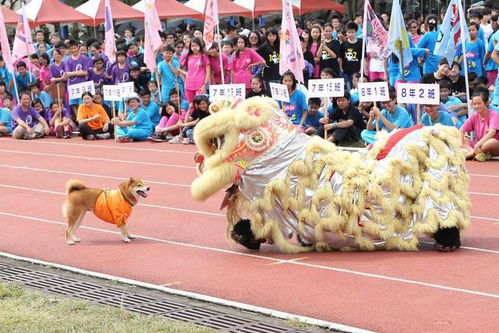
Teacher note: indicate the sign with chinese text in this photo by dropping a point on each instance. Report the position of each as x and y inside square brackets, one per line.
[373, 92]
[326, 88]
[221, 91]
[279, 92]
[75, 90]
[418, 93]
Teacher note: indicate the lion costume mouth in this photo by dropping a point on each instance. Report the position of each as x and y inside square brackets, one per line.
[217, 142]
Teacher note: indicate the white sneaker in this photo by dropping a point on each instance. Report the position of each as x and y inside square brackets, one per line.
[175, 140]
[186, 141]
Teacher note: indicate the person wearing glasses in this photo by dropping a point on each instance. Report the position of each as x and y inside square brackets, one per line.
[391, 117]
[414, 31]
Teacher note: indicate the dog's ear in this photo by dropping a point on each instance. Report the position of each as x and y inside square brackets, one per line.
[131, 180]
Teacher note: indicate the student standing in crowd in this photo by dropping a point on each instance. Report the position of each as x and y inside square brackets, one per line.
[243, 61]
[197, 67]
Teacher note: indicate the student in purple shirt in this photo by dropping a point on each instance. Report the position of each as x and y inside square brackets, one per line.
[98, 74]
[57, 67]
[76, 68]
[27, 123]
[59, 120]
[121, 72]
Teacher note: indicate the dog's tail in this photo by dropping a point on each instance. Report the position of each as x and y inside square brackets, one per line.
[74, 185]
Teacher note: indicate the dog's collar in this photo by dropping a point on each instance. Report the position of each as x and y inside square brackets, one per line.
[127, 200]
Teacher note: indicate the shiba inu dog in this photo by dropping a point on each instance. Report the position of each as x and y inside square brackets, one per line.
[112, 206]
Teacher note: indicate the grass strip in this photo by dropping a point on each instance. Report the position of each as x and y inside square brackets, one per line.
[23, 310]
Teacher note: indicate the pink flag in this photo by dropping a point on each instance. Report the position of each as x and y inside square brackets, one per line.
[210, 21]
[376, 35]
[23, 43]
[291, 52]
[109, 40]
[4, 42]
[152, 40]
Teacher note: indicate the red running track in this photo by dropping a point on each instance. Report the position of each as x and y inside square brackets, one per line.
[181, 243]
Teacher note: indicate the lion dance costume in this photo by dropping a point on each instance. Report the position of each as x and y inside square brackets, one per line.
[409, 183]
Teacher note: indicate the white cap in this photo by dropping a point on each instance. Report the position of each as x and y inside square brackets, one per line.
[245, 32]
[132, 97]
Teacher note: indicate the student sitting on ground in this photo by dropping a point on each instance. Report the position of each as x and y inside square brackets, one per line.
[485, 123]
[5, 122]
[312, 124]
[391, 117]
[432, 115]
[27, 123]
[151, 108]
[344, 123]
[59, 120]
[93, 120]
[201, 105]
[137, 125]
[37, 94]
[453, 104]
[168, 126]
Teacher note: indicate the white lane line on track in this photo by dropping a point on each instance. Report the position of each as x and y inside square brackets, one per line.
[486, 194]
[180, 209]
[97, 159]
[482, 175]
[176, 209]
[206, 298]
[89, 175]
[101, 146]
[148, 181]
[290, 262]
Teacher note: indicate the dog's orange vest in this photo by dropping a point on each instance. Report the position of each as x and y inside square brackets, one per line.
[111, 206]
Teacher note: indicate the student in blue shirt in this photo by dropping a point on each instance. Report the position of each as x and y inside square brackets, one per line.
[297, 108]
[455, 105]
[495, 57]
[5, 122]
[137, 125]
[412, 71]
[475, 51]
[151, 108]
[43, 96]
[23, 77]
[312, 123]
[428, 41]
[168, 72]
[490, 65]
[433, 116]
[391, 117]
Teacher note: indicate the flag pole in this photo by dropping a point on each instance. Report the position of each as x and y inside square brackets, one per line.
[463, 45]
[401, 61]
[364, 35]
[222, 69]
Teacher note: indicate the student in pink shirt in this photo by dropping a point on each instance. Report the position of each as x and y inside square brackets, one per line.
[243, 61]
[485, 123]
[197, 65]
[216, 72]
[167, 127]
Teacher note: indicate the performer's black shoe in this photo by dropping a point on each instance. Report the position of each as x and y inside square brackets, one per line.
[447, 239]
[243, 235]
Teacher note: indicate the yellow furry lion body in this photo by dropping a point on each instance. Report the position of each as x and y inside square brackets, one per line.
[290, 184]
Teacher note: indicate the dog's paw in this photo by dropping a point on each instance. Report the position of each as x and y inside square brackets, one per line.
[76, 240]
[126, 240]
[70, 242]
[131, 236]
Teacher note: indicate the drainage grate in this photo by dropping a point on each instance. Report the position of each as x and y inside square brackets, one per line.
[136, 302]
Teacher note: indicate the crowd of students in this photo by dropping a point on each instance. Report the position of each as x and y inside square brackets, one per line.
[170, 100]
